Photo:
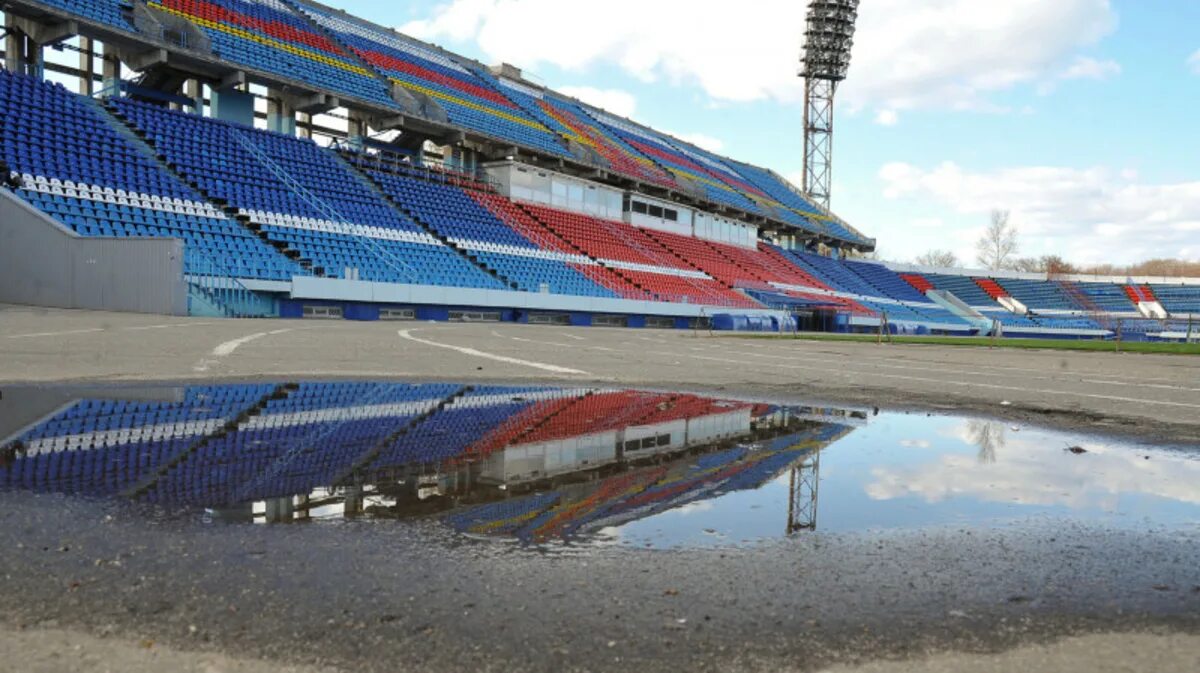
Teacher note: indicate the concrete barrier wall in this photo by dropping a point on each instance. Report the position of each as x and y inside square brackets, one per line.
[42, 263]
[336, 289]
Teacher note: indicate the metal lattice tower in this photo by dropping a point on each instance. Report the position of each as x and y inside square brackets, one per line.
[802, 501]
[828, 39]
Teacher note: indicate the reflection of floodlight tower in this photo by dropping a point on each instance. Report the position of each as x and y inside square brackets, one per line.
[802, 502]
[825, 62]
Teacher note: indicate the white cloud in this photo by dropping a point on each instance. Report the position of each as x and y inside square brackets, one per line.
[1084, 67]
[615, 101]
[1091, 215]
[700, 140]
[907, 54]
[1194, 62]
[1030, 469]
[887, 118]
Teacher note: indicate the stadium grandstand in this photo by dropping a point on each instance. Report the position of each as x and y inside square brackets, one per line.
[280, 158]
[313, 449]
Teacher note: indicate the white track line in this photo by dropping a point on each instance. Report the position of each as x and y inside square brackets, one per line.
[167, 326]
[50, 334]
[226, 349]
[407, 335]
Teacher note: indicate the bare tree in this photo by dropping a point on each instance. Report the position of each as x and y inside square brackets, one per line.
[1052, 264]
[989, 436]
[998, 246]
[942, 259]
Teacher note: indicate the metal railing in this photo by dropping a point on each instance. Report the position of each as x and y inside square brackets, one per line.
[213, 281]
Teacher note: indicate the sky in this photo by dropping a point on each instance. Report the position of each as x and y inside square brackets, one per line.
[1078, 116]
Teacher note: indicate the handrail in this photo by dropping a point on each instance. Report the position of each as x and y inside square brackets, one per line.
[320, 205]
[220, 284]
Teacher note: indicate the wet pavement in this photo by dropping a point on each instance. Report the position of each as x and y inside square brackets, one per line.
[457, 526]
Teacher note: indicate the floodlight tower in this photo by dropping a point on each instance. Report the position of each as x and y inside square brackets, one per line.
[825, 61]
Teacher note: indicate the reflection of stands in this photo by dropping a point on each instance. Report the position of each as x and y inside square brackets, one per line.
[300, 451]
[232, 426]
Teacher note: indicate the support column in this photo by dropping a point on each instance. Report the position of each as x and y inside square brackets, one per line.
[11, 44]
[304, 125]
[280, 510]
[353, 502]
[87, 63]
[21, 54]
[111, 67]
[357, 129]
[281, 118]
[195, 91]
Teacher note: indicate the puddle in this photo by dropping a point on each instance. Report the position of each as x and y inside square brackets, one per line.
[545, 465]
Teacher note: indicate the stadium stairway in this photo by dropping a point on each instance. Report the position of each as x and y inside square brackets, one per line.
[213, 289]
[358, 468]
[280, 392]
[425, 226]
[145, 144]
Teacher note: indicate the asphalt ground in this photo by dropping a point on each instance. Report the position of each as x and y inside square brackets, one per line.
[1153, 397]
[106, 586]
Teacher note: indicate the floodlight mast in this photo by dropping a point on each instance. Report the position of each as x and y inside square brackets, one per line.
[825, 62]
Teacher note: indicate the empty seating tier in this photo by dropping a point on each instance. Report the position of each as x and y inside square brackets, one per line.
[268, 35]
[620, 155]
[109, 12]
[1178, 299]
[452, 213]
[304, 200]
[468, 100]
[640, 260]
[77, 167]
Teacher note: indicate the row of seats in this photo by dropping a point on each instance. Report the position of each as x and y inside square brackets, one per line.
[77, 167]
[454, 215]
[620, 156]
[332, 51]
[268, 35]
[653, 270]
[111, 13]
[714, 186]
[208, 449]
[467, 100]
[305, 198]
[72, 160]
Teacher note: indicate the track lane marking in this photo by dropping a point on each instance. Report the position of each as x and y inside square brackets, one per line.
[227, 348]
[166, 326]
[92, 330]
[407, 335]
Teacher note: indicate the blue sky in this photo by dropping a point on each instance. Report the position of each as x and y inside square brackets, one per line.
[1076, 115]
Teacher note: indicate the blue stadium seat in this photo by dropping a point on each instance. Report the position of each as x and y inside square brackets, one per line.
[77, 167]
[304, 197]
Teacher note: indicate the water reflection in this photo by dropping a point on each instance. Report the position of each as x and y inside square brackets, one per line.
[536, 463]
[540, 464]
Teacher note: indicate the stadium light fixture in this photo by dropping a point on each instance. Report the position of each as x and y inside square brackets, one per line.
[825, 62]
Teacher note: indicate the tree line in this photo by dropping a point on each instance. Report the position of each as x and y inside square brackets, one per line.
[999, 247]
